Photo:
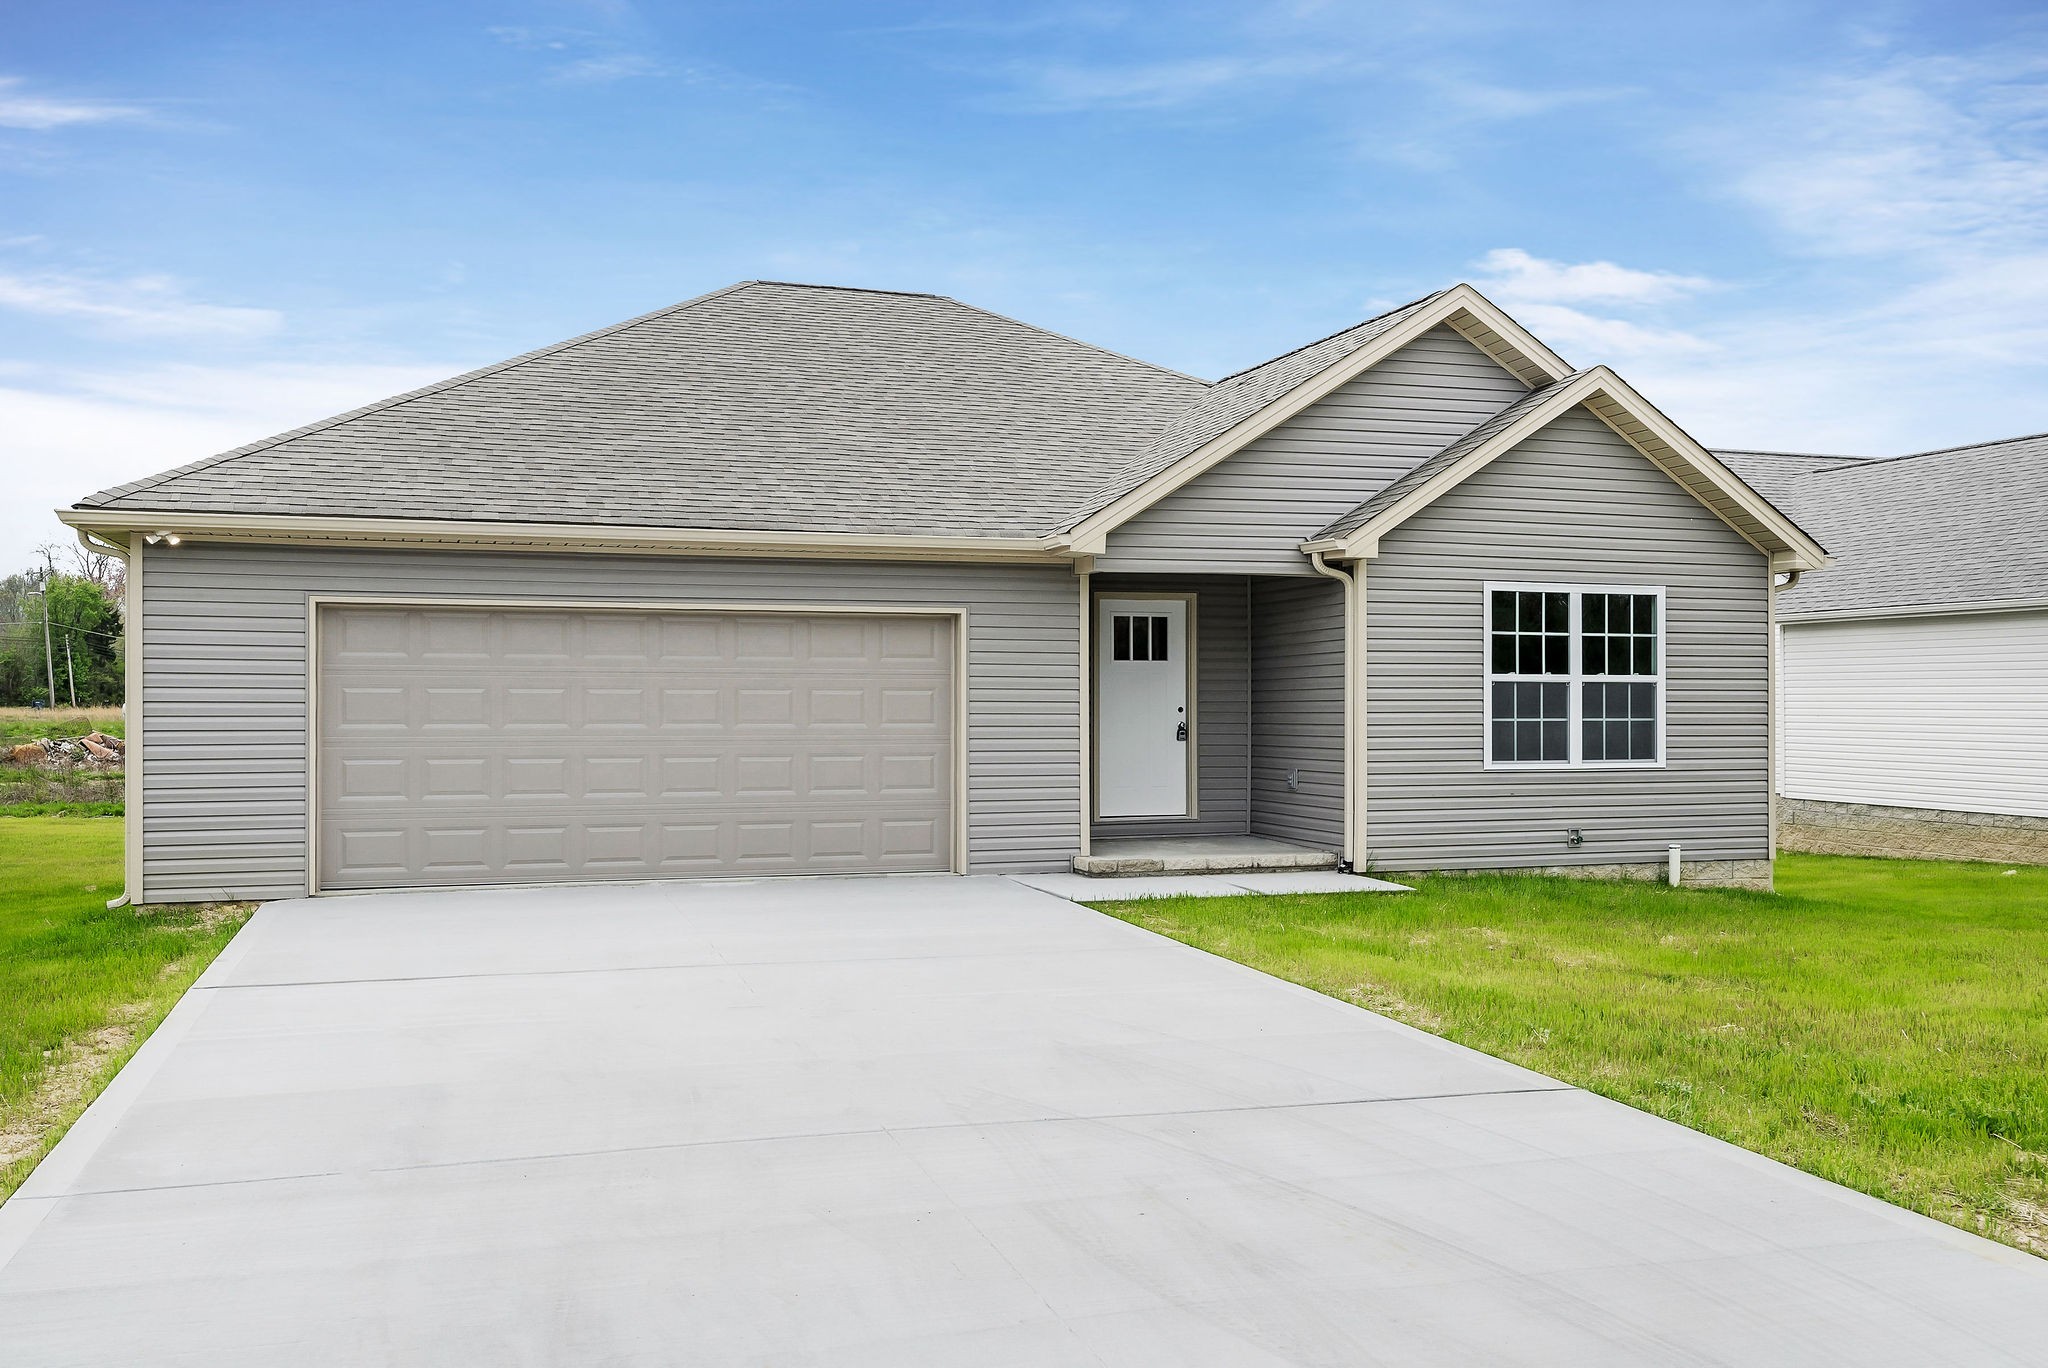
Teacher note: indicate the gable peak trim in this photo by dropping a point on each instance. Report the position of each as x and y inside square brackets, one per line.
[1632, 418]
[1461, 307]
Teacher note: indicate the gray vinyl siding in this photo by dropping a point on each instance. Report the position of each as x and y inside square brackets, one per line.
[1252, 512]
[1573, 505]
[224, 749]
[1222, 707]
[1298, 710]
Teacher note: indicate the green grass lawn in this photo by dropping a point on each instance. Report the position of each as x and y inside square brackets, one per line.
[80, 986]
[1881, 1023]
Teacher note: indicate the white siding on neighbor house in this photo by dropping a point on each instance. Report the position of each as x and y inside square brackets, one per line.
[1298, 710]
[1574, 505]
[1222, 731]
[224, 747]
[1251, 512]
[1927, 712]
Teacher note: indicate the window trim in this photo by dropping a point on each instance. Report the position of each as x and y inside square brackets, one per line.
[1575, 680]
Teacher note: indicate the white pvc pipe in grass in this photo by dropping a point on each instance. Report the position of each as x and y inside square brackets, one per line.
[1672, 872]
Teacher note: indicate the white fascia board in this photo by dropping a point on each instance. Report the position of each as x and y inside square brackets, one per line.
[1363, 542]
[1907, 611]
[1463, 308]
[1805, 553]
[588, 537]
[1667, 446]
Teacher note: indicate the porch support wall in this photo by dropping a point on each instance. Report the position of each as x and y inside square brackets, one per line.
[1223, 693]
[1269, 708]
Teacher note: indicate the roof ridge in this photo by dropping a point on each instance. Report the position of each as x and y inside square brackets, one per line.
[849, 289]
[1349, 327]
[250, 448]
[1966, 446]
[1796, 455]
[1105, 351]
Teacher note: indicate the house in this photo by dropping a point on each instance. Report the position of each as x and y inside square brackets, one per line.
[1914, 674]
[792, 579]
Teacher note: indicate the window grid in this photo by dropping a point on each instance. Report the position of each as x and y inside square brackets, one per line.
[1137, 636]
[1598, 698]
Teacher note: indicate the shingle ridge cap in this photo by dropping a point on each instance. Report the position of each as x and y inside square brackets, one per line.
[1966, 446]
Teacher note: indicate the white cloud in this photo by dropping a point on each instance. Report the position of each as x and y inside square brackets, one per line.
[587, 56]
[1060, 87]
[42, 112]
[1509, 273]
[1918, 190]
[1589, 338]
[71, 434]
[1929, 155]
[141, 306]
[618, 66]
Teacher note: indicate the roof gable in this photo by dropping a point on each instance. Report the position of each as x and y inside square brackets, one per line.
[1250, 511]
[1245, 406]
[1356, 535]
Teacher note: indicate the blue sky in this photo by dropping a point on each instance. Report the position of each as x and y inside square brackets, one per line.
[1803, 226]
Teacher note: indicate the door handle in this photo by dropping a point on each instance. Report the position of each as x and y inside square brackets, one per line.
[1180, 733]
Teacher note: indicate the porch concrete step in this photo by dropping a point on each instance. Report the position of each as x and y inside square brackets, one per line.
[1132, 855]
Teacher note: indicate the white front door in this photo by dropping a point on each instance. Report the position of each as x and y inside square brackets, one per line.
[1141, 708]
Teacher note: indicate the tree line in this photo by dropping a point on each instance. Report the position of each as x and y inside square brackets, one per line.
[80, 600]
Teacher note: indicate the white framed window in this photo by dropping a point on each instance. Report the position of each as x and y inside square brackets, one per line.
[1574, 676]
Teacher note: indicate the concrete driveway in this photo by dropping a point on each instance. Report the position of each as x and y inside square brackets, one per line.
[900, 1122]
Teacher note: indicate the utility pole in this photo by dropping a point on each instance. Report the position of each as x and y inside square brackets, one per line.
[49, 659]
[70, 676]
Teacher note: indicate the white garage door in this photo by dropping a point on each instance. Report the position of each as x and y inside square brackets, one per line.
[487, 746]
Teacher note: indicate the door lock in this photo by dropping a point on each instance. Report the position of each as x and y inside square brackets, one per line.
[1180, 733]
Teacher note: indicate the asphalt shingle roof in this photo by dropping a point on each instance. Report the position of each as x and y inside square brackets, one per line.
[1940, 529]
[1771, 473]
[761, 407]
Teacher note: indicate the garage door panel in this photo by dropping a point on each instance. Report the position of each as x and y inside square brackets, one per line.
[505, 746]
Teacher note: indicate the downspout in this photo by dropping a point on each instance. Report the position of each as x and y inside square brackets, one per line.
[1774, 688]
[131, 711]
[1351, 702]
[1084, 568]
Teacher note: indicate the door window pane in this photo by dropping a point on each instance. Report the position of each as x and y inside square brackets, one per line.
[1137, 637]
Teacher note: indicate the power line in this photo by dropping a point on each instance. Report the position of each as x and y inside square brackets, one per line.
[61, 627]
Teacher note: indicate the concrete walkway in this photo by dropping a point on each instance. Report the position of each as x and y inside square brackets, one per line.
[902, 1122]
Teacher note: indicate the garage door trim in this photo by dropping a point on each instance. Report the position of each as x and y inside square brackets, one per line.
[316, 602]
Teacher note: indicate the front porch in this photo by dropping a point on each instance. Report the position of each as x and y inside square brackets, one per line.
[1217, 730]
[1127, 855]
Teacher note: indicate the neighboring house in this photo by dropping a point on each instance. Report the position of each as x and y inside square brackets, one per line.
[1914, 674]
[792, 579]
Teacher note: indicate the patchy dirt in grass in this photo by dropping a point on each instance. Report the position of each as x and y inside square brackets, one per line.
[74, 1070]
[2026, 1225]
[66, 1085]
[1374, 998]
[205, 916]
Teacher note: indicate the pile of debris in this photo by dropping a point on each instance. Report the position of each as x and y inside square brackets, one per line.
[94, 750]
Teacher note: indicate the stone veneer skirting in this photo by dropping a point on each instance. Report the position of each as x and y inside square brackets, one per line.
[1753, 874]
[1909, 833]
